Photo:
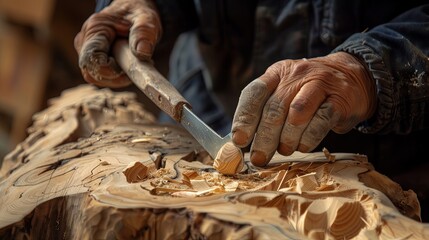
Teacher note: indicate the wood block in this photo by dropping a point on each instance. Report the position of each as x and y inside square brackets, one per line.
[97, 166]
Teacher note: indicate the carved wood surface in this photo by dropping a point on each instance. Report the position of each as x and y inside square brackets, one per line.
[97, 166]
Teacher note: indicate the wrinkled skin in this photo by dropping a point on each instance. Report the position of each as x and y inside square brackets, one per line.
[136, 20]
[296, 103]
[291, 107]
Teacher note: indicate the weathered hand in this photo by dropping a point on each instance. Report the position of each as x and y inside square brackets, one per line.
[296, 103]
[136, 19]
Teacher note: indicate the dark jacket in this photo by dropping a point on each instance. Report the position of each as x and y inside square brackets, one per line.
[239, 39]
[228, 43]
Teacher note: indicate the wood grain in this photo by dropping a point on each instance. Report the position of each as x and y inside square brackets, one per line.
[229, 159]
[97, 166]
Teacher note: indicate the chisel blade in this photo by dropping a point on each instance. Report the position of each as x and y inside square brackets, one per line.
[207, 137]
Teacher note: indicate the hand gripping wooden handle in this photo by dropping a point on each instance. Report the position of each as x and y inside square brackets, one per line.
[149, 80]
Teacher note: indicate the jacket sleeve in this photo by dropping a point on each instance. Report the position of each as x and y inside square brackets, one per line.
[396, 54]
[177, 16]
[100, 4]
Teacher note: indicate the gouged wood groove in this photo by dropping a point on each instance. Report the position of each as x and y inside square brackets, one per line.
[96, 166]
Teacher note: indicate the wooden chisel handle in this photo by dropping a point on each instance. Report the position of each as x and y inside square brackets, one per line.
[150, 81]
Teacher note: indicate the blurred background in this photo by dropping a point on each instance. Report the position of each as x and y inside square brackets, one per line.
[38, 60]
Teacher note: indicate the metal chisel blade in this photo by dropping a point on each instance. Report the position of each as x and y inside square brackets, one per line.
[207, 137]
[166, 97]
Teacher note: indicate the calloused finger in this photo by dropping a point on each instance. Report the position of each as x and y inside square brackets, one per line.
[251, 103]
[320, 125]
[302, 109]
[248, 112]
[270, 126]
[99, 68]
[144, 34]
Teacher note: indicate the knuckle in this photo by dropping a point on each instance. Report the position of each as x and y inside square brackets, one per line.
[290, 136]
[265, 136]
[256, 90]
[96, 21]
[245, 118]
[265, 141]
[301, 67]
[339, 75]
[280, 69]
[145, 27]
[275, 113]
[326, 111]
[250, 102]
[244, 123]
[300, 104]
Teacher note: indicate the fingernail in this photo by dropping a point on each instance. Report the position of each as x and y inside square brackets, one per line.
[239, 138]
[258, 158]
[144, 48]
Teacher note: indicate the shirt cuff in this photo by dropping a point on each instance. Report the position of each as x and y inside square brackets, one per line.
[363, 47]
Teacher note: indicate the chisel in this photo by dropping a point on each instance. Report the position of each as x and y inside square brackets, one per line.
[158, 89]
